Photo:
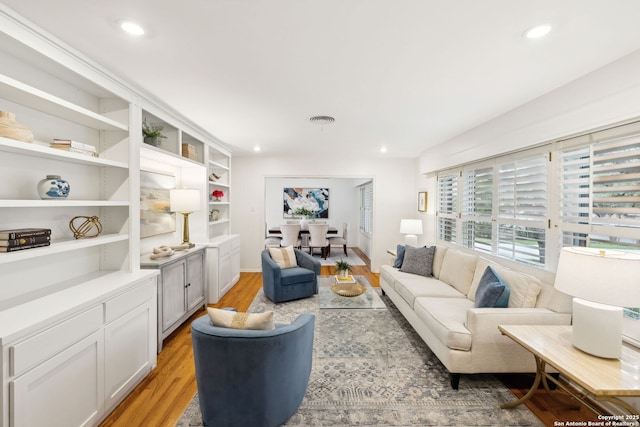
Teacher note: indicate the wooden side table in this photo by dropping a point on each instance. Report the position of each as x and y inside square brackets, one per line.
[603, 379]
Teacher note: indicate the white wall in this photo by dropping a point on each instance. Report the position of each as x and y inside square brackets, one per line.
[394, 187]
[603, 97]
[343, 201]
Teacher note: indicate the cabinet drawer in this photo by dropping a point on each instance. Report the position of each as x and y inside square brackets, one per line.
[120, 305]
[224, 248]
[46, 344]
[235, 243]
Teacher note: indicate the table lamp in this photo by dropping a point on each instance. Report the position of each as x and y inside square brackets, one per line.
[185, 201]
[601, 282]
[411, 228]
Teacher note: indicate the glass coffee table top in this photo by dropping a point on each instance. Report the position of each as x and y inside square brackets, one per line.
[329, 299]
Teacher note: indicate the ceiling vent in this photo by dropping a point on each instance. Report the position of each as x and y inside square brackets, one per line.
[322, 120]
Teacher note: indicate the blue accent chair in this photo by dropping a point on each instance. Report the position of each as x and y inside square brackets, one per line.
[290, 283]
[249, 377]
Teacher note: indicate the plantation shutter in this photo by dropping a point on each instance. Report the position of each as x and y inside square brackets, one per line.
[477, 208]
[447, 206]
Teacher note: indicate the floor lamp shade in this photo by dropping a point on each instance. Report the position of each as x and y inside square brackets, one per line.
[185, 201]
[602, 282]
[411, 228]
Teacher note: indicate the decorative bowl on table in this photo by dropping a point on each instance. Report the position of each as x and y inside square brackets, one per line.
[348, 289]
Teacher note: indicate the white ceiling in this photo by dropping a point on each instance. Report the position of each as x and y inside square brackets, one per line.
[404, 74]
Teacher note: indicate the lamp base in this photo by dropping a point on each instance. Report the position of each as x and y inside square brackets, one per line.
[597, 328]
[411, 240]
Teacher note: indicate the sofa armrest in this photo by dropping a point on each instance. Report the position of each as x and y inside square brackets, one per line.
[486, 320]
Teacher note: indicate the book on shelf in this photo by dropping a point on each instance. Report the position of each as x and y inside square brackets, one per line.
[72, 144]
[19, 248]
[24, 241]
[24, 232]
[76, 150]
[348, 279]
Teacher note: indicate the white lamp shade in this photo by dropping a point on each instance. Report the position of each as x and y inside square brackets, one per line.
[604, 276]
[184, 200]
[411, 226]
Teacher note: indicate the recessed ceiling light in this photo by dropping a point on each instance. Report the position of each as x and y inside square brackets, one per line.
[538, 31]
[383, 149]
[132, 28]
[256, 148]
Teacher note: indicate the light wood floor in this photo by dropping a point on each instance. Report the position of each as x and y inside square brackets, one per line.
[164, 394]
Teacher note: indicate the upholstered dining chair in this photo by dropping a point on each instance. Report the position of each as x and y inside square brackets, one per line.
[339, 240]
[290, 235]
[271, 240]
[318, 239]
[251, 377]
[286, 284]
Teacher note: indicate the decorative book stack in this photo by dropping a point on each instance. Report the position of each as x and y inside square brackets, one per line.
[74, 147]
[24, 238]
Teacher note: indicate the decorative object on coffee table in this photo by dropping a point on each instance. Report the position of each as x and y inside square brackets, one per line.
[348, 289]
[90, 227]
[53, 187]
[343, 268]
[9, 128]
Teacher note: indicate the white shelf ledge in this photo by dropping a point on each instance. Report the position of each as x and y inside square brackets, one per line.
[37, 99]
[218, 165]
[58, 246]
[46, 152]
[53, 203]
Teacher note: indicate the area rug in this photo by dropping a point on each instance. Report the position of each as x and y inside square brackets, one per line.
[337, 254]
[371, 369]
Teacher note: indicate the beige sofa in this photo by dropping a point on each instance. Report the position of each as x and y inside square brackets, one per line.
[466, 339]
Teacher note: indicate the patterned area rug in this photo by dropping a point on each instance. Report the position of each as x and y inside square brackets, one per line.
[371, 369]
[337, 254]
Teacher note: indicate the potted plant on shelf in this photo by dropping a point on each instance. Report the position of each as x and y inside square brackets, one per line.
[216, 194]
[343, 268]
[152, 134]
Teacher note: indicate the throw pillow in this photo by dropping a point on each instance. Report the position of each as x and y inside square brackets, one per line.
[399, 256]
[418, 260]
[284, 257]
[235, 320]
[492, 290]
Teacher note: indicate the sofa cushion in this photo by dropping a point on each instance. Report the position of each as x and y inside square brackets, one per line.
[399, 256]
[292, 276]
[445, 318]
[235, 320]
[437, 260]
[481, 266]
[418, 260]
[412, 287]
[492, 290]
[457, 269]
[284, 257]
[524, 288]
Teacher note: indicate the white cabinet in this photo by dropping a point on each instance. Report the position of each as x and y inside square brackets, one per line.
[181, 287]
[72, 356]
[223, 260]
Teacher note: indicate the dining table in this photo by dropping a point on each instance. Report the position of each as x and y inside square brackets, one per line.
[276, 230]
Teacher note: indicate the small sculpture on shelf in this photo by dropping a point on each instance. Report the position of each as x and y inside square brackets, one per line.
[53, 187]
[217, 194]
[214, 214]
[152, 134]
[90, 227]
[9, 128]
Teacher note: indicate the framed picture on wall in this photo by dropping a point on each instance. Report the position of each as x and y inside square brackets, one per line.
[313, 201]
[155, 217]
[422, 201]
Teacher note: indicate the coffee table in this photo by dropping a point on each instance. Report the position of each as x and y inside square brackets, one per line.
[369, 300]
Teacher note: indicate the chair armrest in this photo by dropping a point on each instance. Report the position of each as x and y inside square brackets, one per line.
[305, 260]
[270, 269]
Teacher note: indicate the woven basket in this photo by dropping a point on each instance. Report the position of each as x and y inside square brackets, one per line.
[9, 128]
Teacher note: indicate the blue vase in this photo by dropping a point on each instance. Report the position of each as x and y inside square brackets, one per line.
[53, 187]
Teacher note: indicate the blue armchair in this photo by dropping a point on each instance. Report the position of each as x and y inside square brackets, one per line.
[250, 377]
[290, 283]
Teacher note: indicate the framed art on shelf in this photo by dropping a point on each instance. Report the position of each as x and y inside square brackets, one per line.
[422, 201]
[155, 217]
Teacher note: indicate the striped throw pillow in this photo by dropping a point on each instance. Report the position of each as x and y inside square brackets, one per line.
[284, 257]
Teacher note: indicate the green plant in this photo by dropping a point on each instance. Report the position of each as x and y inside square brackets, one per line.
[152, 131]
[343, 265]
[303, 212]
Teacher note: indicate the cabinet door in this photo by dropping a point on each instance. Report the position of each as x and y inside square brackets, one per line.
[173, 293]
[235, 266]
[65, 391]
[224, 273]
[195, 279]
[128, 352]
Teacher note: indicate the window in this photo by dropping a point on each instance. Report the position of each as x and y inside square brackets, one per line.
[477, 208]
[366, 208]
[447, 206]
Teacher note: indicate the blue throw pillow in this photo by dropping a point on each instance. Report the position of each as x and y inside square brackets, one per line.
[492, 290]
[399, 256]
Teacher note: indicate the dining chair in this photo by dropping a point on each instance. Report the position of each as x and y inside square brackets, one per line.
[318, 239]
[290, 235]
[271, 240]
[339, 240]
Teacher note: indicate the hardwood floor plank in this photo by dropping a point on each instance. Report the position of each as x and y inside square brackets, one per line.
[161, 398]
